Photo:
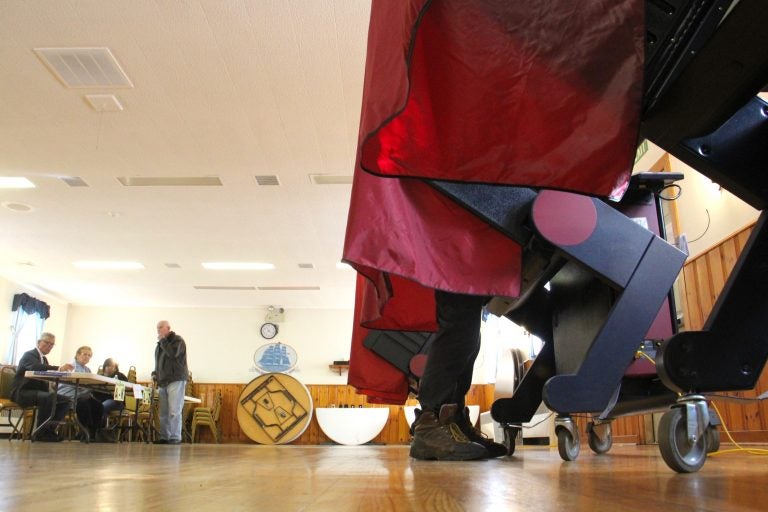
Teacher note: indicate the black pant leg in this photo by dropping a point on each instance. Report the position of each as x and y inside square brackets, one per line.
[448, 372]
[44, 401]
[97, 411]
[464, 381]
[63, 405]
[90, 412]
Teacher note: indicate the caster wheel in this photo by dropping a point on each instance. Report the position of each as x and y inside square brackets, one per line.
[567, 445]
[713, 439]
[677, 450]
[596, 443]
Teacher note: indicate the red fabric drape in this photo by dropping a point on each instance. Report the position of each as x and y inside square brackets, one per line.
[541, 94]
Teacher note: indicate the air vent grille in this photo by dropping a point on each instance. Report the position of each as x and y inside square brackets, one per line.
[172, 265]
[330, 179]
[104, 102]
[84, 67]
[267, 180]
[74, 181]
[306, 265]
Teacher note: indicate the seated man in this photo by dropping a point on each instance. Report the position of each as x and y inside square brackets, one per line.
[111, 370]
[32, 392]
[89, 410]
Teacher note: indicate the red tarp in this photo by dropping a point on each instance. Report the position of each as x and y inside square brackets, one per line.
[541, 94]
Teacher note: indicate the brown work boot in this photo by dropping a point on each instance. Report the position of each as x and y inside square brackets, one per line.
[438, 437]
[492, 448]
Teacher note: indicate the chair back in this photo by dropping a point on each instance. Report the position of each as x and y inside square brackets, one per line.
[7, 374]
[189, 387]
[217, 406]
[132, 374]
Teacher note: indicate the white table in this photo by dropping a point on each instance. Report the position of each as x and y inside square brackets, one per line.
[94, 382]
[352, 426]
[410, 414]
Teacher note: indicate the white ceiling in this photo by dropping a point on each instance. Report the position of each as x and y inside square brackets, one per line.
[228, 88]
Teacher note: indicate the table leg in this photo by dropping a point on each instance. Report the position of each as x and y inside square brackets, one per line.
[83, 428]
[36, 430]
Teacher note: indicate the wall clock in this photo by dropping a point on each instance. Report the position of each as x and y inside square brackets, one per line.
[268, 330]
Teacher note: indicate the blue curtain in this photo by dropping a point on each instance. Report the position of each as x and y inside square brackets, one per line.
[25, 306]
[31, 305]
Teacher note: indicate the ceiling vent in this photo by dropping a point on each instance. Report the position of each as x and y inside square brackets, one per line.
[169, 181]
[74, 181]
[288, 288]
[331, 179]
[104, 102]
[306, 265]
[84, 67]
[235, 288]
[267, 180]
[172, 265]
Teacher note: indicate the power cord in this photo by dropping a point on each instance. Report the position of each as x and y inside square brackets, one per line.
[739, 448]
[709, 220]
[671, 186]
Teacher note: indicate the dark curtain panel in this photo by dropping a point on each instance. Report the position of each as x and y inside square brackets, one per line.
[31, 305]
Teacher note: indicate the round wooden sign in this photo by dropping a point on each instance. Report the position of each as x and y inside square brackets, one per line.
[274, 408]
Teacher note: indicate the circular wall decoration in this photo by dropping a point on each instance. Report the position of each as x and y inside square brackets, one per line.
[274, 408]
[275, 358]
[268, 330]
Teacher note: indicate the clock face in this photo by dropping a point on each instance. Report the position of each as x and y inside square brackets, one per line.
[268, 331]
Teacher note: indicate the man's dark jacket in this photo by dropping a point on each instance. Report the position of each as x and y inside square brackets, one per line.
[30, 361]
[171, 359]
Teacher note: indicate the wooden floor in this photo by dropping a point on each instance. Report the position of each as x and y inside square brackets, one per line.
[133, 476]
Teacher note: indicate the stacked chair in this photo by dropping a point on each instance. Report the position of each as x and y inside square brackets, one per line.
[208, 417]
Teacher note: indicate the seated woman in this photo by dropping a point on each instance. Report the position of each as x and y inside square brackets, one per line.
[111, 370]
[89, 410]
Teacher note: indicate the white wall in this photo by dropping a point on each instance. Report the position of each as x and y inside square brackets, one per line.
[220, 342]
[727, 213]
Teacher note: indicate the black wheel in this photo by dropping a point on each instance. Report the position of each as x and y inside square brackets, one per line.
[713, 439]
[567, 445]
[596, 444]
[510, 436]
[676, 449]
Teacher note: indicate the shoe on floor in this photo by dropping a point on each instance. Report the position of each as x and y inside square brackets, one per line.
[47, 436]
[174, 441]
[104, 435]
[160, 441]
[492, 448]
[436, 436]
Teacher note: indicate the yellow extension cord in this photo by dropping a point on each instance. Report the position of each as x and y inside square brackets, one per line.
[739, 448]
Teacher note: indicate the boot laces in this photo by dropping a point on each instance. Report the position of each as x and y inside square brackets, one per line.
[457, 434]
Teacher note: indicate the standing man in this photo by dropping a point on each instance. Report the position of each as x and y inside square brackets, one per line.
[171, 375]
[27, 392]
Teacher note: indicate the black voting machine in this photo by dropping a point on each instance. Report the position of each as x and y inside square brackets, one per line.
[610, 278]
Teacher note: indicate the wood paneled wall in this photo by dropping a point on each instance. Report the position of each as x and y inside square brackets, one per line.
[395, 432]
[703, 280]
